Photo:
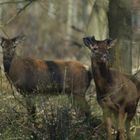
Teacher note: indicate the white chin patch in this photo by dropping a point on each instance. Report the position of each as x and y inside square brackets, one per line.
[103, 59]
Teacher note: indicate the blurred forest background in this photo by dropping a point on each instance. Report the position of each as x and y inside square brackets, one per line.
[54, 29]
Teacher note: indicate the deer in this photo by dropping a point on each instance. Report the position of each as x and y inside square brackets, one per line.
[32, 76]
[116, 94]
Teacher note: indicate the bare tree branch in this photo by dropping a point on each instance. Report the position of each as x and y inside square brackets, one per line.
[77, 29]
[13, 2]
[19, 12]
[5, 33]
[45, 7]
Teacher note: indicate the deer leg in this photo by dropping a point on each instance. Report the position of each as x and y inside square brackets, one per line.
[108, 124]
[121, 126]
[127, 124]
[31, 110]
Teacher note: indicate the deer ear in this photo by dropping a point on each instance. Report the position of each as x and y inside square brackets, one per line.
[86, 41]
[89, 41]
[111, 43]
[1, 40]
[93, 38]
[18, 39]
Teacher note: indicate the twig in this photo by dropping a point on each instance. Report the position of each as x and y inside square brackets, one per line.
[77, 29]
[13, 2]
[19, 12]
[2, 29]
[45, 7]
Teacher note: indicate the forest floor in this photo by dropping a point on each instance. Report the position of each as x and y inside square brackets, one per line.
[55, 115]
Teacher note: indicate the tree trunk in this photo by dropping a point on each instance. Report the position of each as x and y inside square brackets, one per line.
[136, 35]
[69, 18]
[98, 23]
[1, 13]
[119, 18]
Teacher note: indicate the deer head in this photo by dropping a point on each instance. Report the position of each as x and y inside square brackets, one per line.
[9, 45]
[99, 49]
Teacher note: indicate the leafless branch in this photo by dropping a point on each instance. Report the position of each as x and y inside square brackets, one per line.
[77, 29]
[13, 2]
[76, 44]
[45, 7]
[5, 33]
[19, 12]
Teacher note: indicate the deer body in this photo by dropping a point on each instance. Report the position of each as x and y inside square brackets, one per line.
[34, 76]
[116, 94]
[113, 85]
[48, 76]
[28, 74]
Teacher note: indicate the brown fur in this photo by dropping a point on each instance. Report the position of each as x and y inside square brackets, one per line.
[135, 79]
[49, 76]
[116, 94]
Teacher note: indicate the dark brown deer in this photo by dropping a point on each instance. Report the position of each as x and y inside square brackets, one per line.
[34, 76]
[116, 94]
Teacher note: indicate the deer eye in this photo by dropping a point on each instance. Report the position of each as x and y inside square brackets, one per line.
[13, 45]
[94, 49]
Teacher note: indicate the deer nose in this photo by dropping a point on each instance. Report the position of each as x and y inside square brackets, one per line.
[104, 57]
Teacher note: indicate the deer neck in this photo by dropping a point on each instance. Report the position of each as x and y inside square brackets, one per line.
[102, 77]
[7, 60]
